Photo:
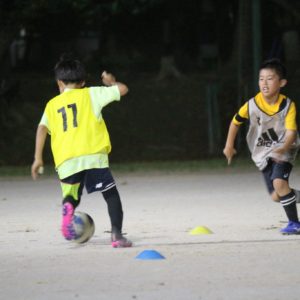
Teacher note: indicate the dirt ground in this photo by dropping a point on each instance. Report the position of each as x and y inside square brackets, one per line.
[245, 258]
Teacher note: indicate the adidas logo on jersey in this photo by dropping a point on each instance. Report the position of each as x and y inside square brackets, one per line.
[264, 143]
[267, 138]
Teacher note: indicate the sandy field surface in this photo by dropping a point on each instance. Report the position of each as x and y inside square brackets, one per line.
[244, 258]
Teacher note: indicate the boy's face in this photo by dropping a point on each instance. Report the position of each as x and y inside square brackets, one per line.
[270, 83]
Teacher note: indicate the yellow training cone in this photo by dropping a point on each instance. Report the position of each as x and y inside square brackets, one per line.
[200, 230]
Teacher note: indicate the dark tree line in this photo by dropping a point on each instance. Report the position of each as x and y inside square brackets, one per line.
[160, 45]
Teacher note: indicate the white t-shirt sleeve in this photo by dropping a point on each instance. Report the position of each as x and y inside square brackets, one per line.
[44, 120]
[101, 96]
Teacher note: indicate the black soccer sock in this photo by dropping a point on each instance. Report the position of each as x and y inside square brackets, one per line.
[114, 206]
[289, 204]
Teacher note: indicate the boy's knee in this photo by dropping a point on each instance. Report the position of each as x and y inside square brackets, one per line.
[281, 187]
[275, 197]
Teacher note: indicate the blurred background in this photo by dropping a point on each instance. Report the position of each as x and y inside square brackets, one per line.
[189, 66]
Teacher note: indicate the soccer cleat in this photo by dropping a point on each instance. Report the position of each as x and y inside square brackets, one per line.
[291, 228]
[67, 228]
[121, 243]
[118, 240]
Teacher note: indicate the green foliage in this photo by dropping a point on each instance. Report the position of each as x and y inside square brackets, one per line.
[134, 7]
[39, 14]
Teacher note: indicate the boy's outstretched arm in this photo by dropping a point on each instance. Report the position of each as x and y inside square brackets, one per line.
[229, 150]
[108, 80]
[41, 135]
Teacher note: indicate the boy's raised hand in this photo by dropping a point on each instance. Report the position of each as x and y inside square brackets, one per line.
[229, 152]
[108, 79]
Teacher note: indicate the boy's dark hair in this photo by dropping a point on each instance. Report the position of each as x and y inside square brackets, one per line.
[69, 70]
[276, 65]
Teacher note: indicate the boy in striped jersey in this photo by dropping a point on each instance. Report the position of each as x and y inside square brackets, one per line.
[272, 137]
[80, 143]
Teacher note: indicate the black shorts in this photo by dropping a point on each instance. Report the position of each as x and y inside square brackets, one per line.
[275, 170]
[92, 179]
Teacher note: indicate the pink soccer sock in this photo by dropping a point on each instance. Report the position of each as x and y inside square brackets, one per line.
[67, 217]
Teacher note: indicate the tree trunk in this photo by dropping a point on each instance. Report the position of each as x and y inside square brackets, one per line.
[6, 37]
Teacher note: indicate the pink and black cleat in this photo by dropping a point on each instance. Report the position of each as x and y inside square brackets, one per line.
[67, 228]
[119, 241]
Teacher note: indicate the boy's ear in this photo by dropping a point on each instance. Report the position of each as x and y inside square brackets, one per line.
[61, 85]
[283, 82]
[82, 84]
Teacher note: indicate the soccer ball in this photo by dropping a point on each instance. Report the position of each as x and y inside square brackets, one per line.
[84, 227]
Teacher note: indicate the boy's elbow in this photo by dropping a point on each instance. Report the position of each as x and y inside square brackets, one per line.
[42, 128]
[123, 89]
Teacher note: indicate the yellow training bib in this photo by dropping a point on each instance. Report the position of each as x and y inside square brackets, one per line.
[74, 128]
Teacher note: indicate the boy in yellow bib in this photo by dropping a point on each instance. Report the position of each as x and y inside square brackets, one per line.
[80, 143]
